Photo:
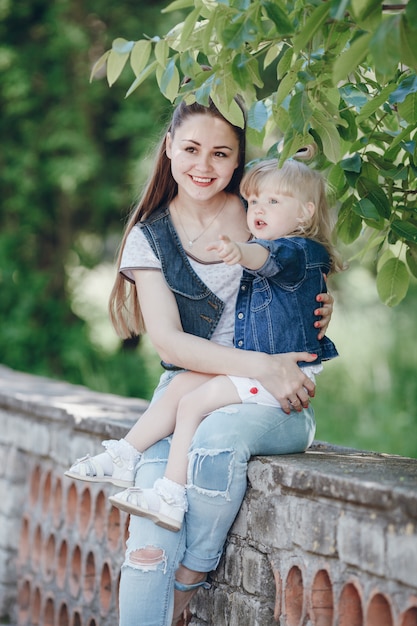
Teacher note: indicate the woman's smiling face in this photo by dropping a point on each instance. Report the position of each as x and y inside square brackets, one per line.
[204, 153]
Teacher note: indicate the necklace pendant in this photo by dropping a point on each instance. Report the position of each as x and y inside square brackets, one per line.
[190, 244]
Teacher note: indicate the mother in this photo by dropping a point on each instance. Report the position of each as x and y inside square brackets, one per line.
[184, 298]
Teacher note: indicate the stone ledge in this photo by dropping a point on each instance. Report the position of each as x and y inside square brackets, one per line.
[380, 480]
[57, 400]
[323, 538]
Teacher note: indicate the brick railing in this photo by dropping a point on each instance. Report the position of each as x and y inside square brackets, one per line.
[324, 538]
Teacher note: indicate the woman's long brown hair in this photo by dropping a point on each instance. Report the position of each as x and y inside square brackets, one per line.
[160, 189]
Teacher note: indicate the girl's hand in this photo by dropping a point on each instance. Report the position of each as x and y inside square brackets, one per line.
[229, 251]
[286, 381]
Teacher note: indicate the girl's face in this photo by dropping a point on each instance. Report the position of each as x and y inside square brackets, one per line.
[271, 215]
[204, 153]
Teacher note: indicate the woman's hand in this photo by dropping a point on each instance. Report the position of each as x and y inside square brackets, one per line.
[324, 312]
[280, 374]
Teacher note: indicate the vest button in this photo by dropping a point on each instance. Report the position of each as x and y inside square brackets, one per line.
[240, 343]
[240, 316]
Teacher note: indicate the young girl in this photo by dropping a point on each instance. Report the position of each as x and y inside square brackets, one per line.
[288, 218]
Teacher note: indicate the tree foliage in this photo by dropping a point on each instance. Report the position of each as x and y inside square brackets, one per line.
[339, 73]
[66, 170]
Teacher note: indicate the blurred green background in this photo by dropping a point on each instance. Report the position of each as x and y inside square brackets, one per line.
[73, 157]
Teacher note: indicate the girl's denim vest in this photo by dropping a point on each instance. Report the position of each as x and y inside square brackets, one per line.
[200, 309]
[275, 304]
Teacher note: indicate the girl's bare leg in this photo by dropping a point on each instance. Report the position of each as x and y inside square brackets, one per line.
[192, 409]
[159, 419]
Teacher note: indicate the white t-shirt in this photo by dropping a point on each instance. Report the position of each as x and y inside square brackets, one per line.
[223, 280]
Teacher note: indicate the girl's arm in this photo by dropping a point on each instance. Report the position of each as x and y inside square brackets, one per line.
[279, 373]
[250, 255]
[253, 256]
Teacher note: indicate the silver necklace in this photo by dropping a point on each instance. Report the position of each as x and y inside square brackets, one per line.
[191, 242]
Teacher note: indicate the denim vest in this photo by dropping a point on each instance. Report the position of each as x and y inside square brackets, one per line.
[275, 304]
[199, 308]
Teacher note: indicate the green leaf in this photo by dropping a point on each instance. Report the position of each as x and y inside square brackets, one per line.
[188, 27]
[288, 82]
[177, 5]
[411, 258]
[386, 57]
[312, 25]
[279, 16]
[293, 142]
[372, 191]
[223, 97]
[142, 76]
[122, 46]
[366, 209]
[170, 81]
[410, 14]
[328, 134]
[404, 88]
[375, 103]
[367, 13]
[206, 35]
[285, 62]
[237, 33]
[140, 55]
[300, 111]
[271, 55]
[115, 65]
[258, 116]
[101, 62]
[161, 52]
[352, 164]
[338, 9]
[349, 224]
[349, 60]
[245, 72]
[408, 109]
[405, 230]
[337, 180]
[392, 282]
[348, 131]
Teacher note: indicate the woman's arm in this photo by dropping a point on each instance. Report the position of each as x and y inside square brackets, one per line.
[279, 373]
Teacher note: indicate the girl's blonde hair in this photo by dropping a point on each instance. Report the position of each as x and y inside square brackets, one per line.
[161, 188]
[299, 181]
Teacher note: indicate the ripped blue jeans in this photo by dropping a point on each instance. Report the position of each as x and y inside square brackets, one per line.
[218, 458]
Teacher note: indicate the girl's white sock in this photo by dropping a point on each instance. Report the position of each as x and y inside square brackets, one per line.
[171, 492]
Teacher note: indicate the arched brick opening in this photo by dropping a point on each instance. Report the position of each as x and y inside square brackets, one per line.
[89, 577]
[379, 612]
[72, 505]
[48, 558]
[410, 617]
[62, 563]
[75, 573]
[100, 515]
[35, 483]
[105, 589]
[322, 599]
[57, 503]
[84, 512]
[46, 494]
[350, 607]
[294, 596]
